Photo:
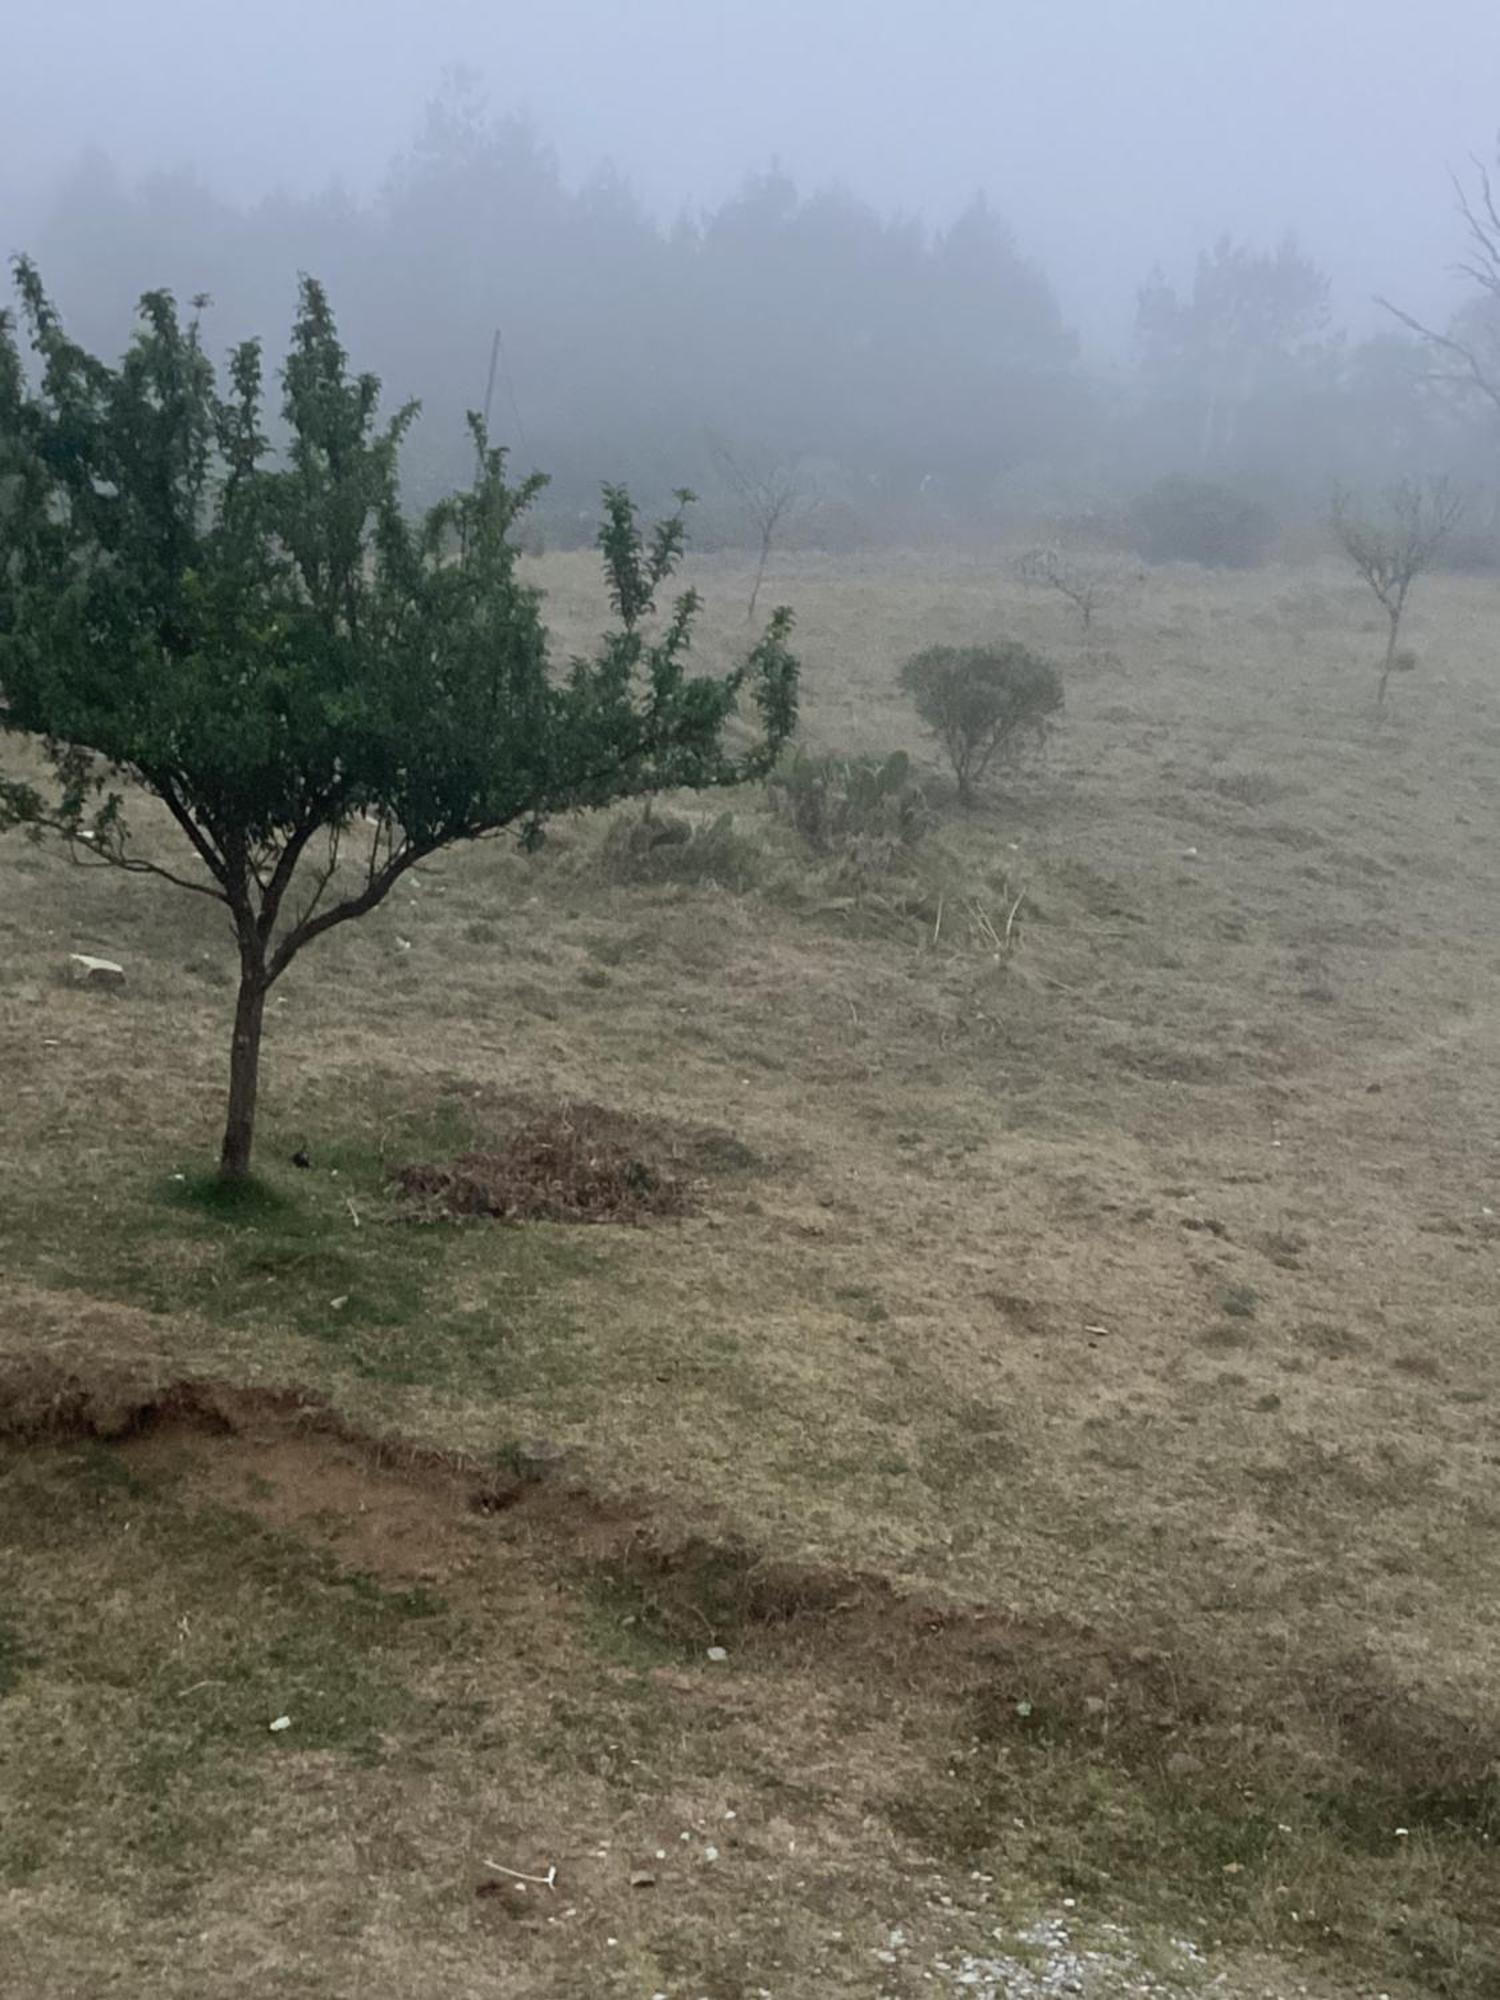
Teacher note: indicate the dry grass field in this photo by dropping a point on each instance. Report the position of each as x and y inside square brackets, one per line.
[1069, 1402]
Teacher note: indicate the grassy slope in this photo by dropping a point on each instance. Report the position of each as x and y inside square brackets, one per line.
[1230, 1100]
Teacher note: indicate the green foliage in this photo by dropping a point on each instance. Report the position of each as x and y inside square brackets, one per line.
[983, 703]
[1196, 520]
[290, 663]
[866, 809]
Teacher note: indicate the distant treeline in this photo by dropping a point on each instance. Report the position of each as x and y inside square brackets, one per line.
[909, 380]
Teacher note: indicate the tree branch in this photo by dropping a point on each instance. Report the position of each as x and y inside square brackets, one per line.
[203, 847]
[1474, 375]
[325, 876]
[273, 891]
[84, 854]
[379, 887]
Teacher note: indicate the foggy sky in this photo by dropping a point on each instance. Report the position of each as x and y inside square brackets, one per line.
[1113, 133]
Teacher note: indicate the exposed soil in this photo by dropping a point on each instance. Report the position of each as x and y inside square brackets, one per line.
[404, 1515]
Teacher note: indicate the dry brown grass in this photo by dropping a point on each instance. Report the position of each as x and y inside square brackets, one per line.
[572, 1163]
[1134, 1284]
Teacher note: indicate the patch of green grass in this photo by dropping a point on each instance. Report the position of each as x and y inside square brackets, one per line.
[862, 1304]
[162, 1643]
[328, 1254]
[248, 1202]
[13, 1656]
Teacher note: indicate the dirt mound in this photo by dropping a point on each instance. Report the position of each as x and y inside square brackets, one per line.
[576, 1162]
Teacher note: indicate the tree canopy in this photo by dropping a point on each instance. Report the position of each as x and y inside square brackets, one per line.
[320, 689]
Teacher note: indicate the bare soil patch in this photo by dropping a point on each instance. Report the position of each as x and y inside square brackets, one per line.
[403, 1513]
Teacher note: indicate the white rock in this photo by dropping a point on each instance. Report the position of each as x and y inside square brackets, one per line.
[84, 970]
[718, 1653]
[282, 1722]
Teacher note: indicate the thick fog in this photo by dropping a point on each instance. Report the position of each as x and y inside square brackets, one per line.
[911, 246]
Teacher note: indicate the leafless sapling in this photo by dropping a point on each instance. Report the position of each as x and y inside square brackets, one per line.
[1392, 547]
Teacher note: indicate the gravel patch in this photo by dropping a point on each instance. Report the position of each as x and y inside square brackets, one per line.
[1060, 1957]
[1044, 1961]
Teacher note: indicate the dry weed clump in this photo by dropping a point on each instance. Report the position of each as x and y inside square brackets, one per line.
[576, 1162]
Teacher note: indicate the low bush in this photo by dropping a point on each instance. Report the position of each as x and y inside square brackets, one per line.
[984, 704]
[1196, 520]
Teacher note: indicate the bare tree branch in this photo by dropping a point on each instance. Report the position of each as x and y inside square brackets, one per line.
[375, 893]
[1473, 375]
[1088, 582]
[769, 495]
[1391, 551]
[320, 884]
[167, 790]
[1481, 218]
[87, 854]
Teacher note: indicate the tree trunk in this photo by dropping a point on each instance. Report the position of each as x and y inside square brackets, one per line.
[244, 1075]
[760, 576]
[1388, 664]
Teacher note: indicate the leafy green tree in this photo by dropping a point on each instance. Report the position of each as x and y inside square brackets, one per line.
[983, 703]
[320, 691]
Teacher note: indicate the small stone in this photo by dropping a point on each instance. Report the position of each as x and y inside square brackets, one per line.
[84, 970]
[642, 1878]
[282, 1722]
[717, 1653]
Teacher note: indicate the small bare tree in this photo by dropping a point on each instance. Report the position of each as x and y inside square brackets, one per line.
[772, 496]
[1086, 581]
[1391, 549]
